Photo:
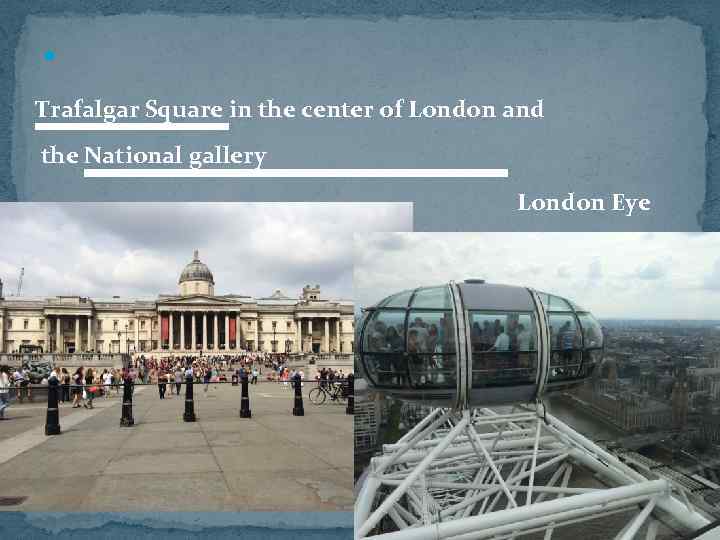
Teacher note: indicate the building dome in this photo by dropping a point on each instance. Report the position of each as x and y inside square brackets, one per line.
[196, 271]
[196, 278]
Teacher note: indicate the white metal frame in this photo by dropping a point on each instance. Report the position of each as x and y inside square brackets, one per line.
[474, 474]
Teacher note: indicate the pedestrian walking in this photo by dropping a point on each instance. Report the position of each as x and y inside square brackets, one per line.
[4, 390]
[90, 389]
[77, 389]
[162, 385]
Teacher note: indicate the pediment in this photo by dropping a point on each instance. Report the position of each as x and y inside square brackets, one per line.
[195, 300]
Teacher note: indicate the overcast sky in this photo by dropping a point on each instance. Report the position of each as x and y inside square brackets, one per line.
[619, 275]
[139, 249]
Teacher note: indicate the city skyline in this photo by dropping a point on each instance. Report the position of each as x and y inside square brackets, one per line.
[614, 275]
[137, 249]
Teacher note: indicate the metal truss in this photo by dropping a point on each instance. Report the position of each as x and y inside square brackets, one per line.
[476, 474]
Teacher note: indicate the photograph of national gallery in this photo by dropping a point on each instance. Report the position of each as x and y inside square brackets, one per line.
[194, 320]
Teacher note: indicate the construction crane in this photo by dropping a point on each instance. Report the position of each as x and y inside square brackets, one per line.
[20, 280]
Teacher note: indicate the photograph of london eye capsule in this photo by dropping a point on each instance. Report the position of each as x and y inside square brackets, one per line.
[178, 357]
[537, 385]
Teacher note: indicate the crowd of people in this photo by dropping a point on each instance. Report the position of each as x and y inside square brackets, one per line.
[83, 385]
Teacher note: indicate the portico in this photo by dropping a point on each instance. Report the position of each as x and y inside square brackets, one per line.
[199, 326]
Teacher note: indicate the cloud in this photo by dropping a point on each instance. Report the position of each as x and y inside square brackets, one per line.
[595, 271]
[653, 270]
[624, 275]
[139, 249]
[712, 280]
[563, 271]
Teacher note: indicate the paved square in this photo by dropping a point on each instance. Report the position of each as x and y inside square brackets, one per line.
[272, 461]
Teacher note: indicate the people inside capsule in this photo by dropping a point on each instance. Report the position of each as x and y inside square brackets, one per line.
[409, 343]
[501, 348]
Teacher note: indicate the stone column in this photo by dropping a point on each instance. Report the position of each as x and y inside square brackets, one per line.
[326, 335]
[137, 333]
[182, 331]
[227, 331]
[310, 333]
[58, 336]
[171, 341]
[298, 337]
[337, 335]
[237, 331]
[257, 336]
[193, 341]
[205, 344]
[159, 321]
[90, 340]
[47, 334]
[77, 334]
[216, 345]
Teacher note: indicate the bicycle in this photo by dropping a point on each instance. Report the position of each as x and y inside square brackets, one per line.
[337, 392]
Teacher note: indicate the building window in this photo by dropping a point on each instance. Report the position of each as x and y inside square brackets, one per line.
[115, 325]
[26, 324]
[142, 325]
[260, 326]
[99, 326]
[132, 325]
[249, 325]
[9, 324]
[42, 324]
[287, 325]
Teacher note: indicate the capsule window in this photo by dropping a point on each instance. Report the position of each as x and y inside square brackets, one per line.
[431, 349]
[592, 331]
[592, 343]
[555, 303]
[384, 348]
[565, 347]
[504, 348]
[399, 300]
[385, 332]
[432, 298]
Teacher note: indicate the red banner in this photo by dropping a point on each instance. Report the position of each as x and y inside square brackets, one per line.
[165, 328]
[233, 329]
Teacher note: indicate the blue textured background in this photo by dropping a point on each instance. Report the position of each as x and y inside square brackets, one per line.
[175, 526]
[433, 212]
[704, 13]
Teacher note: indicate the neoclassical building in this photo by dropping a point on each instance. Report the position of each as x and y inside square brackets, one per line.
[194, 320]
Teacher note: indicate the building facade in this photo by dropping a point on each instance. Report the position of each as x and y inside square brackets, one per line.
[193, 321]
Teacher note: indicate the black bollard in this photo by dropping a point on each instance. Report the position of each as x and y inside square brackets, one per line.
[52, 420]
[127, 420]
[298, 409]
[189, 415]
[350, 409]
[245, 399]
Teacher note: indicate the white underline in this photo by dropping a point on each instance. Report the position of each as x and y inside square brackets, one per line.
[295, 173]
[132, 126]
